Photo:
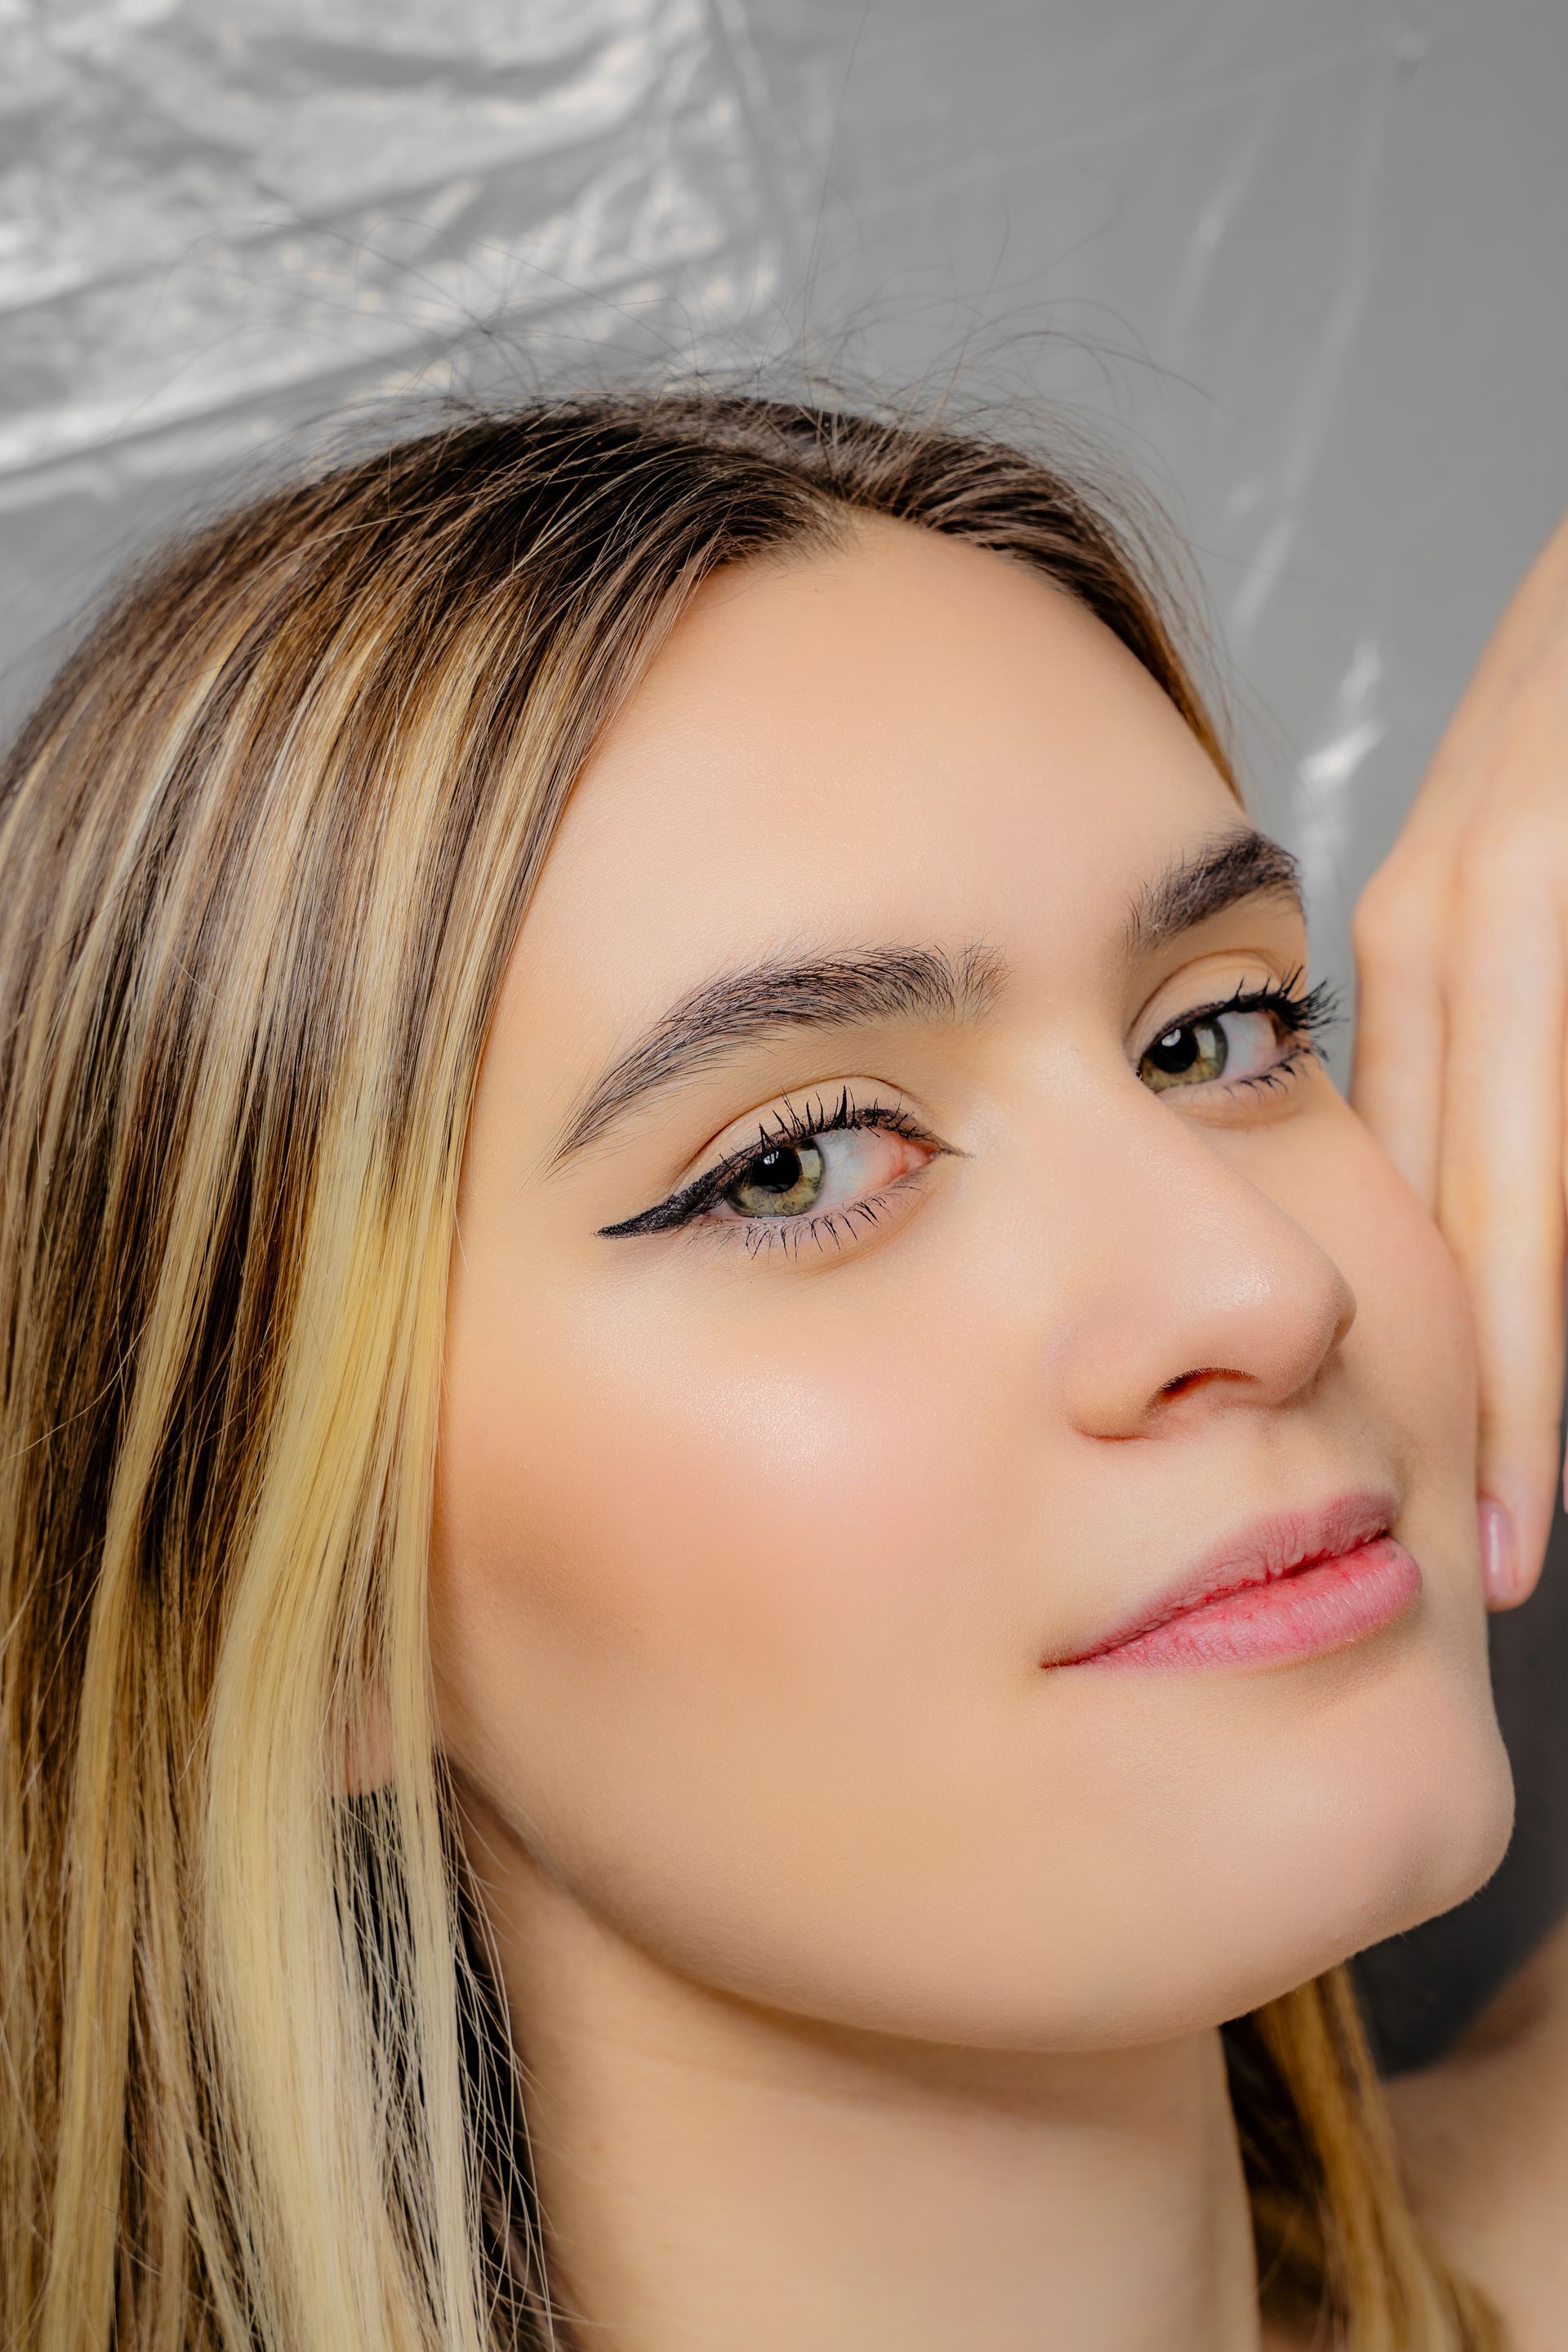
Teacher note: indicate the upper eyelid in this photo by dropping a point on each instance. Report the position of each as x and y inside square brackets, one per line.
[1286, 972]
[687, 1199]
[1289, 983]
[732, 1162]
[811, 1110]
[1190, 1013]
[1320, 1001]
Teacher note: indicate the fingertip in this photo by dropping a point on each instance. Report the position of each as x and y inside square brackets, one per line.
[1526, 1577]
[1499, 1552]
[1511, 1557]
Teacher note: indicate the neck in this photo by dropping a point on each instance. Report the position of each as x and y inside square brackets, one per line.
[713, 2174]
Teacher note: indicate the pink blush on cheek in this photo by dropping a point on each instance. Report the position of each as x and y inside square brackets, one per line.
[750, 1526]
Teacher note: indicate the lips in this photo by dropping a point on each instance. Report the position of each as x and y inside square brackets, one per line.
[1296, 1585]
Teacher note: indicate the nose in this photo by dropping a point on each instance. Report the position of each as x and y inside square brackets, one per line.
[1199, 1292]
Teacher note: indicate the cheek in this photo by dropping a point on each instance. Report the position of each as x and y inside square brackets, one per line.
[708, 1506]
[1412, 1345]
[1410, 1371]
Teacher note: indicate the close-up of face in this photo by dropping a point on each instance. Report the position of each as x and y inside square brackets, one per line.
[955, 1507]
[784, 1180]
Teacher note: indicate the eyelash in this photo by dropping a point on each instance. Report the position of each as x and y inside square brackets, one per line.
[792, 1125]
[1304, 1015]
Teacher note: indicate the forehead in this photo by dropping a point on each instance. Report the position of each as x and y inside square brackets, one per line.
[907, 738]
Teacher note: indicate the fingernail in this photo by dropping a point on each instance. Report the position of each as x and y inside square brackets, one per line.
[1499, 1560]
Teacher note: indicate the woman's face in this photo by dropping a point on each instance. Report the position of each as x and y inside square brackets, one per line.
[884, 1280]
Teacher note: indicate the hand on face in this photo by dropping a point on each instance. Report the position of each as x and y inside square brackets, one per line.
[908, 1245]
[1462, 1033]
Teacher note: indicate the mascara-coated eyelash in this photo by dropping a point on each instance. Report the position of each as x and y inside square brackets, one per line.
[1177, 1062]
[778, 1154]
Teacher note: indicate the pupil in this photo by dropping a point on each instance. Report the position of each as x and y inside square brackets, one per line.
[778, 1171]
[1177, 1050]
[781, 1181]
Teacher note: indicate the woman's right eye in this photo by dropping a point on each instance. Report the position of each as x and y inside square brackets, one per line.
[816, 1174]
[820, 1173]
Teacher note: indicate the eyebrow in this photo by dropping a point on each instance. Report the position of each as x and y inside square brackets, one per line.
[931, 984]
[1209, 879]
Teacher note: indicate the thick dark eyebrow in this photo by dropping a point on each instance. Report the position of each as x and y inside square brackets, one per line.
[901, 983]
[1208, 881]
[838, 991]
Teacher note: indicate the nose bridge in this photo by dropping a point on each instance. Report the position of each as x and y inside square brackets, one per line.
[1192, 1279]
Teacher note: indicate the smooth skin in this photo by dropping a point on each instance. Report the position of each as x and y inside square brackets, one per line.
[1461, 1045]
[1461, 1050]
[867, 1971]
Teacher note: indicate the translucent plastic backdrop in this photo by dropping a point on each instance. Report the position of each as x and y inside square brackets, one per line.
[1303, 258]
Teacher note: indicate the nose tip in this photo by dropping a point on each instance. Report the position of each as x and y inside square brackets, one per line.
[1244, 1311]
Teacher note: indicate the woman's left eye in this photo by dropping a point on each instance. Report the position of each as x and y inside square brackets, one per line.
[814, 1175]
[1235, 1044]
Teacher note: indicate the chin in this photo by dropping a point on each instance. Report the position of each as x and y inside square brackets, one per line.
[1425, 1845]
[1386, 1800]
[1164, 1955]
[1284, 1871]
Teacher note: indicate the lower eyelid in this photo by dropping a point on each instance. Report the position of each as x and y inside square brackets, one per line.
[1298, 1053]
[758, 1233]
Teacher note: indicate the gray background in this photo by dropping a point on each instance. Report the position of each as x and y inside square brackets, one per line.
[1303, 260]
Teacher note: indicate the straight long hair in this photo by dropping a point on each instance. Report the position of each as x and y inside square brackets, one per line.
[265, 849]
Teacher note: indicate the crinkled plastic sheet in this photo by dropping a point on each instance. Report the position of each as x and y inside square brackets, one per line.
[1307, 262]
[224, 218]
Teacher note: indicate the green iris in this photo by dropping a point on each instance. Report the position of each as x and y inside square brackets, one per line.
[1191, 1054]
[784, 1181]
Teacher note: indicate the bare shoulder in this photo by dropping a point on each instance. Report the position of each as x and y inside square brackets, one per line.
[1484, 2137]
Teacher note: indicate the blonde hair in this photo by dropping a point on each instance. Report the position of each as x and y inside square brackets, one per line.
[266, 846]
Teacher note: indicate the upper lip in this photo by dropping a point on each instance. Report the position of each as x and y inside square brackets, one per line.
[1259, 1553]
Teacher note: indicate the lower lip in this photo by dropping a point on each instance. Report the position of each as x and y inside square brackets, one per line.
[1305, 1614]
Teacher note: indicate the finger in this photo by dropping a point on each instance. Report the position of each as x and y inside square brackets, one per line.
[1500, 1190]
[1398, 1063]
[1527, 644]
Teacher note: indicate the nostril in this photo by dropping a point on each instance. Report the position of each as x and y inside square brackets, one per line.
[1185, 1381]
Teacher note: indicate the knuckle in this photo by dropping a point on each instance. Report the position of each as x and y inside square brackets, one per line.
[1505, 852]
[1394, 918]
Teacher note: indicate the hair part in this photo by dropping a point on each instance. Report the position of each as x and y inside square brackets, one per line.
[268, 843]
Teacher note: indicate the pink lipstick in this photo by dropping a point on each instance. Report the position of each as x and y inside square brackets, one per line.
[1294, 1586]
